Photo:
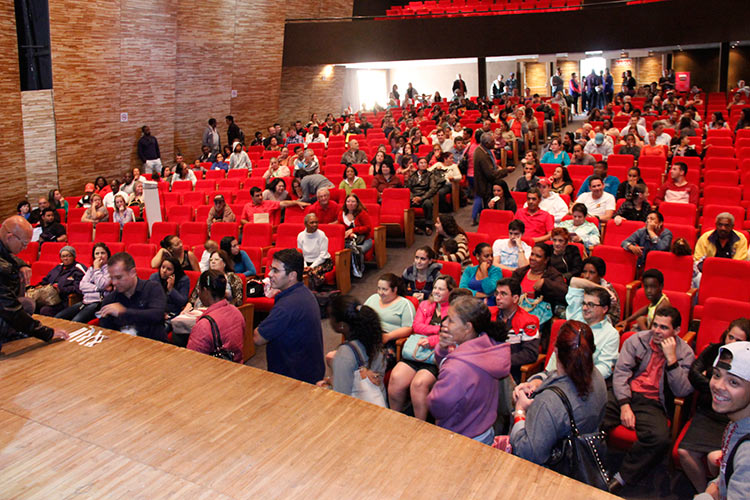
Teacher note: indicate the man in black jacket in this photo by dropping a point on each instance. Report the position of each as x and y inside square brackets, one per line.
[233, 132]
[486, 171]
[15, 235]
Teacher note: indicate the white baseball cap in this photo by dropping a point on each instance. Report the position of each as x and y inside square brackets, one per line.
[739, 366]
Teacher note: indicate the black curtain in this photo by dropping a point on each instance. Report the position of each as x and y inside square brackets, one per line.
[34, 58]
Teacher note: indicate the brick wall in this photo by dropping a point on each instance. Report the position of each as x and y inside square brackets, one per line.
[568, 68]
[536, 78]
[311, 89]
[649, 69]
[13, 187]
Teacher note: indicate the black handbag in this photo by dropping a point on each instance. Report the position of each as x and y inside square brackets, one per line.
[580, 456]
[218, 350]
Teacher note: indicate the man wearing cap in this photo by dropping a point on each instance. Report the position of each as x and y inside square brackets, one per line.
[85, 201]
[220, 212]
[539, 224]
[611, 183]
[15, 235]
[551, 202]
[599, 145]
[730, 396]
[651, 370]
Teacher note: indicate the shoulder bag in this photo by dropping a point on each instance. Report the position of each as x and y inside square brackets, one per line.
[218, 351]
[414, 352]
[579, 456]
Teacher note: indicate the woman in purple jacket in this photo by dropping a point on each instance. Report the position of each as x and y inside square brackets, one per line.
[94, 286]
[472, 357]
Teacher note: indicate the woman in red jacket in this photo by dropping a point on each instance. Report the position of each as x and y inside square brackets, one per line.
[358, 232]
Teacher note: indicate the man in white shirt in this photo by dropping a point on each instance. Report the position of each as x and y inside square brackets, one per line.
[551, 202]
[511, 252]
[109, 199]
[600, 144]
[634, 128]
[661, 138]
[446, 143]
[598, 202]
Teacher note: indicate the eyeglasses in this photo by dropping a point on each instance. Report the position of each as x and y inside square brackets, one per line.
[590, 304]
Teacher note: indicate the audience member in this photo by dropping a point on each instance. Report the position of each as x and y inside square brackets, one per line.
[566, 257]
[446, 227]
[611, 183]
[135, 306]
[314, 246]
[259, 210]
[326, 209]
[395, 311]
[551, 202]
[522, 327]
[240, 260]
[472, 355]
[541, 282]
[501, 198]
[354, 154]
[174, 282]
[108, 199]
[481, 279]
[653, 366]
[95, 285]
[413, 376]
[635, 207]
[148, 151]
[172, 245]
[561, 182]
[96, 212]
[419, 278]
[724, 241]
[220, 212]
[598, 202]
[600, 144]
[224, 325]
[311, 184]
[511, 252]
[423, 186]
[653, 236]
[677, 189]
[730, 388]
[540, 423]
[65, 278]
[704, 435]
[528, 180]
[485, 173]
[556, 154]
[581, 158]
[538, 223]
[359, 363]
[51, 230]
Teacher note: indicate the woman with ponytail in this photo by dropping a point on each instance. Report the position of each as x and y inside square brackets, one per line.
[359, 363]
[472, 356]
[540, 423]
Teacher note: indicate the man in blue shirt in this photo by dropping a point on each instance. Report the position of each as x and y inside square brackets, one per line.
[135, 306]
[611, 183]
[292, 330]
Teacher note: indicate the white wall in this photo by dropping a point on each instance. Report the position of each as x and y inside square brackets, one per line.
[428, 79]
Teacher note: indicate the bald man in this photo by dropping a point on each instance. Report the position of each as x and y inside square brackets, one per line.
[15, 235]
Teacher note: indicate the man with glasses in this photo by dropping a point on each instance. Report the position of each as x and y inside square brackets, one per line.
[523, 328]
[15, 235]
[589, 304]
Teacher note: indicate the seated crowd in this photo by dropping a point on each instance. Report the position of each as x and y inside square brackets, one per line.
[470, 335]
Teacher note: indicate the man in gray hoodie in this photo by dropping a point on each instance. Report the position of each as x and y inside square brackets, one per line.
[652, 369]
[730, 391]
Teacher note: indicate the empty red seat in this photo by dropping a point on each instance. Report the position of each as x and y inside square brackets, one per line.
[182, 186]
[679, 300]
[108, 232]
[494, 223]
[40, 269]
[215, 175]
[193, 233]
[257, 235]
[194, 198]
[614, 235]
[222, 229]
[135, 232]
[677, 271]
[723, 278]
[621, 264]
[678, 213]
[718, 313]
[142, 253]
[161, 229]
[80, 232]
[708, 220]
[180, 214]
[722, 151]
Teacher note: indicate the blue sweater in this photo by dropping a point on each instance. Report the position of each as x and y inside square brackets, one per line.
[245, 266]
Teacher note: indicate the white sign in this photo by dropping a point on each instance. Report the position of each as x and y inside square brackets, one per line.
[123, 117]
[234, 93]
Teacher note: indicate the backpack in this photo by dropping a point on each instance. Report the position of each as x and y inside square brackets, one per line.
[730, 459]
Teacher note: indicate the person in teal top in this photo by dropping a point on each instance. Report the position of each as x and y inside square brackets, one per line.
[556, 154]
[482, 278]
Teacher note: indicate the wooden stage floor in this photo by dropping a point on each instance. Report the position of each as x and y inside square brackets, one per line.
[131, 418]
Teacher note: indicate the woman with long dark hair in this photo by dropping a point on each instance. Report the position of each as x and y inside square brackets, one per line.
[94, 286]
[242, 262]
[359, 363]
[473, 356]
[540, 423]
[447, 227]
[174, 282]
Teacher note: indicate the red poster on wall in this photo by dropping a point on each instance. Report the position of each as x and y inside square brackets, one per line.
[682, 81]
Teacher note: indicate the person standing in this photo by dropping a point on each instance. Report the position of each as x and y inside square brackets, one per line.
[234, 134]
[459, 86]
[135, 306]
[148, 151]
[292, 331]
[575, 92]
[15, 236]
[211, 138]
